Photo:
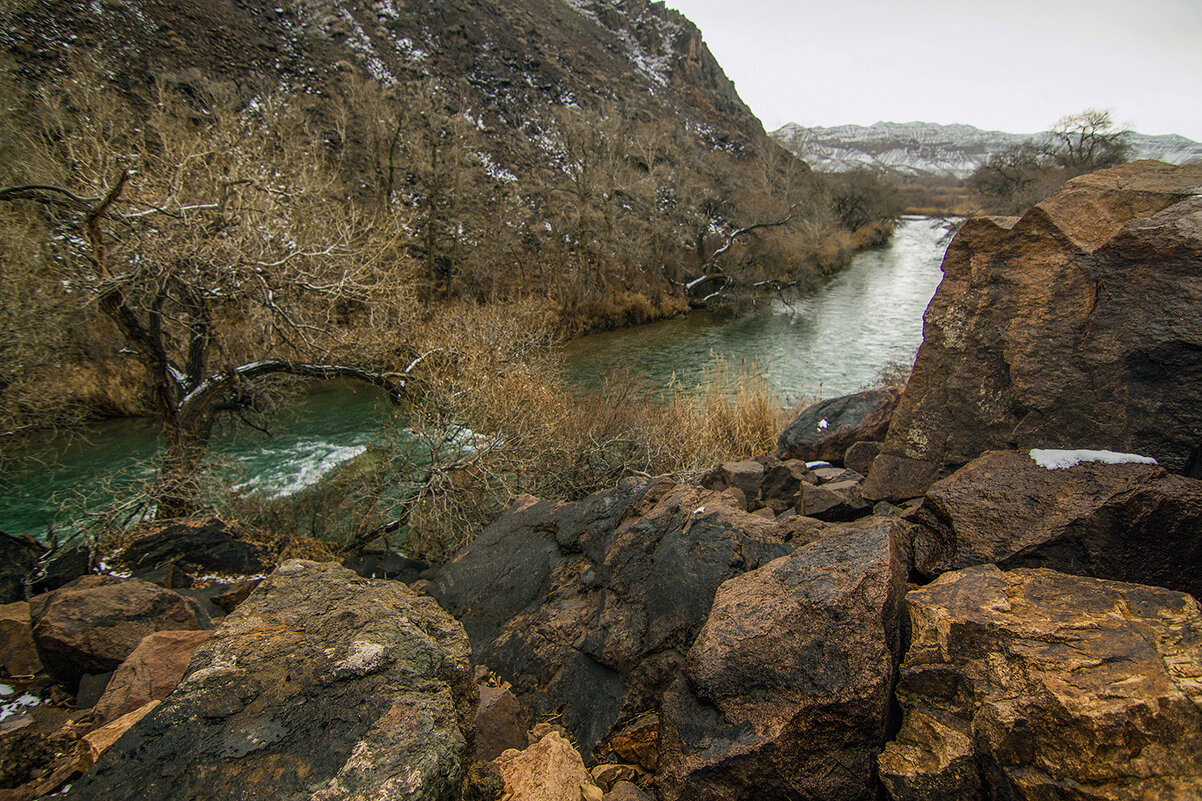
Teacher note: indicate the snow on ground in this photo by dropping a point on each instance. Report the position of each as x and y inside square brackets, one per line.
[1050, 459]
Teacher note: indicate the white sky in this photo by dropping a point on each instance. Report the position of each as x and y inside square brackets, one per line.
[1016, 66]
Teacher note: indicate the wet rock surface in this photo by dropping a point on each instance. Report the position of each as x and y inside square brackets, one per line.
[1032, 684]
[789, 681]
[322, 685]
[1128, 522]
[1074, 327]
[588, 608]
[197, 550]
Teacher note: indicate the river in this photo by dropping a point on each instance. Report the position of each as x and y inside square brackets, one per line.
[825, 344]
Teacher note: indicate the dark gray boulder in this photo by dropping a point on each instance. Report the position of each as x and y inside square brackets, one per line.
[588, 608]
[828, 428]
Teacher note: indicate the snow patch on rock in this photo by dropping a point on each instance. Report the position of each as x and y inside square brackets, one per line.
[1051, 459]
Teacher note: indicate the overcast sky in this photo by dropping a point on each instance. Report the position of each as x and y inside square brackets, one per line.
[1015, 66]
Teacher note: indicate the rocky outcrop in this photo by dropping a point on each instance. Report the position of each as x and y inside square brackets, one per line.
[322, 685]
[1073, 327]
[789, 682]
[1031, 684]
[828, 428]
[588, 608]
[94, 623]
[1129, 522]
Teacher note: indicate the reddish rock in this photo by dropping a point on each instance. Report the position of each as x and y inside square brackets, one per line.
[1032, 684]
[1074, 327]
[18, 654]
[94, 623]
[150, 673]
[825, 430]
[1128, 522]
[744, 476]
[501, 722]
[635, 743]
[790, 680]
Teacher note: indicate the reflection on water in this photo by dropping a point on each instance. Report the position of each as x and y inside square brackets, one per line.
[830, 343]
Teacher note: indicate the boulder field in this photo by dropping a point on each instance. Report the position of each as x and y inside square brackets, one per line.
[986, 615]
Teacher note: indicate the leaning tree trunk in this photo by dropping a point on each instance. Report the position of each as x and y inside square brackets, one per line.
[177, 488]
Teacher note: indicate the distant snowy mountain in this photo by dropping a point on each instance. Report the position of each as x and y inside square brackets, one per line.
[917, 148]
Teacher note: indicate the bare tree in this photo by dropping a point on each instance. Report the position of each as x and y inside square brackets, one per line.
[221, 257]
[1087, 141]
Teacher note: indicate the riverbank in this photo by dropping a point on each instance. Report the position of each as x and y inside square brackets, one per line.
[829, 342]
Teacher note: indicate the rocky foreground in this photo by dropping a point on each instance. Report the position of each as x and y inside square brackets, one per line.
[920, 595]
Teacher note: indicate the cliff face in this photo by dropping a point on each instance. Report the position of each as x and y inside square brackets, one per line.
[509, 59]
[1075, 326]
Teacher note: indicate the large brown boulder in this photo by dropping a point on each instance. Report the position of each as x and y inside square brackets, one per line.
[94, 623]
[825, 430]
[1126, 521]
[588, 608]
[321, 685]
[789, 683]
[1076, 326]
[1032, 684]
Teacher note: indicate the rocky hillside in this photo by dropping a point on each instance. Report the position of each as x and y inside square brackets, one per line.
[510, 61]
[925, 148]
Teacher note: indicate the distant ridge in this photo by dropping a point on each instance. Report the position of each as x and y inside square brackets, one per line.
[918, 148]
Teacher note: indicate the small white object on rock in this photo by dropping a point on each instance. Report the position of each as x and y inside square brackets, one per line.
[363, 659]
[823, 425]
[1051, 459]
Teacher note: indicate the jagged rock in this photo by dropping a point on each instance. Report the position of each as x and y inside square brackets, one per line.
[501, 722]
[18, 557]
[97, 741]
[148, 674]
[94, 623]
[549, 770]
[205, 549]
[588, 607]
[1128, 522]
[744, 476]
[789, 683]
[322, 685]
[834, 502]
[782, 482]
[228, 596]
[18, 654]
[1032, 684]
[828, 428]
[1074, 327]
[860, 455]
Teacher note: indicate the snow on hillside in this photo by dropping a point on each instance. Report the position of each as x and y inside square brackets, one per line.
[914, 148]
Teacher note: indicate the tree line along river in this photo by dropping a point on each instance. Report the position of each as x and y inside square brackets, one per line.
[831, 342]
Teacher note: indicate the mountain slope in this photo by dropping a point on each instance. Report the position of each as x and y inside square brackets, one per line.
[917, 148]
